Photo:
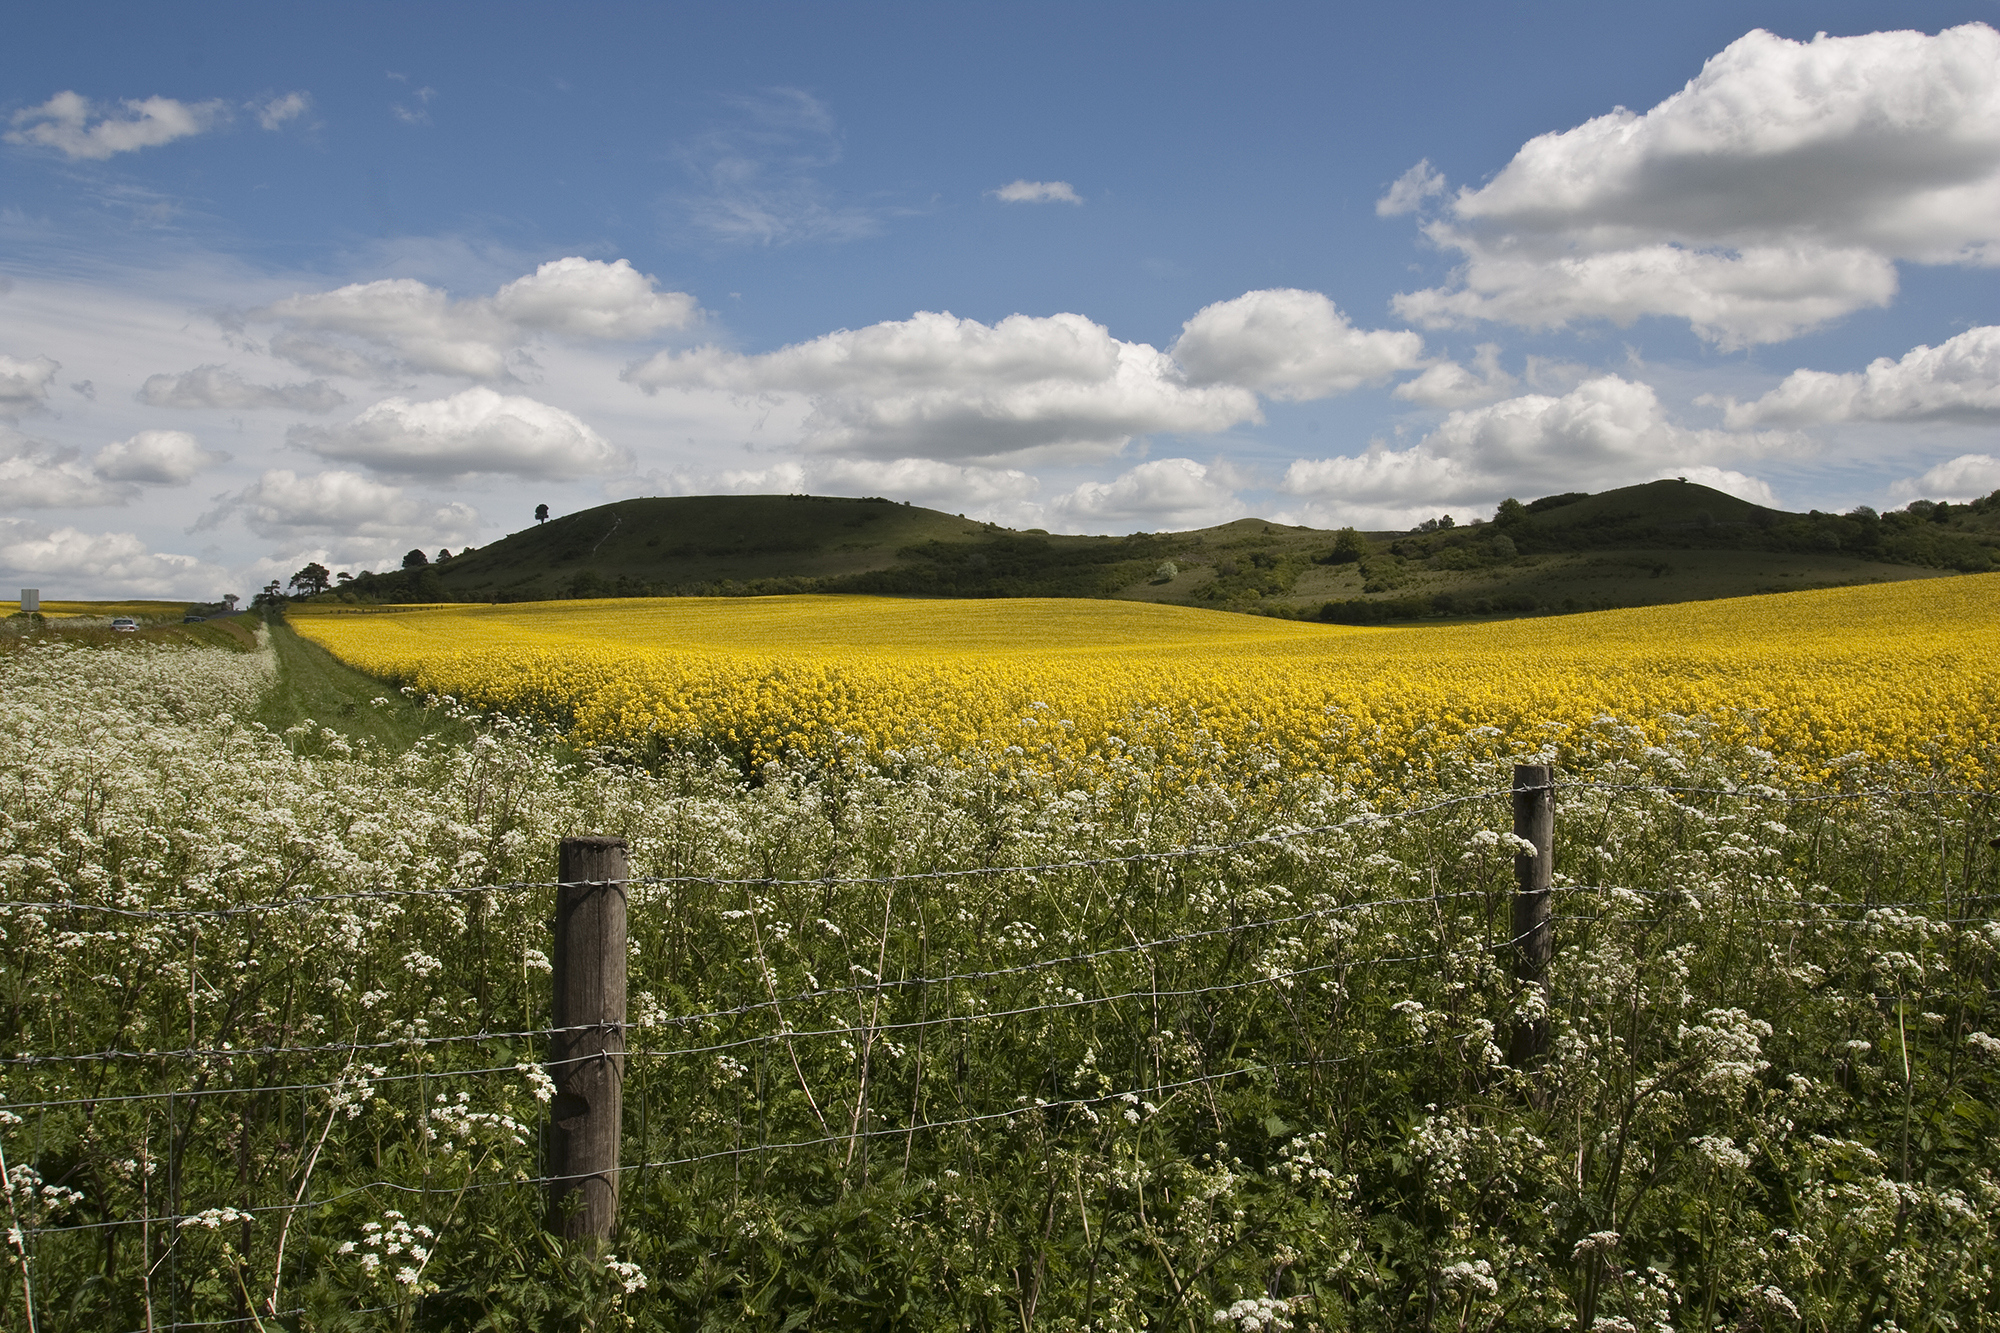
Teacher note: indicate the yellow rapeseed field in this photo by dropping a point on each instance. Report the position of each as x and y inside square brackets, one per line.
[152, 610]
[1906, 671]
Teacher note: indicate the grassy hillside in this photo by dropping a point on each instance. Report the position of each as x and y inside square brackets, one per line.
[693, 544]
[1666, 541]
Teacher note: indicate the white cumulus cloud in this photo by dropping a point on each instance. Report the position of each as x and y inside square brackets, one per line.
[1290, 344]
[1606, 432]
[70, 563]
[953, 487]
[272, 113]
[1958, 380]
[939, 387]
[331, 358]
[1449, 384]
[1967, 477]
[475, 431]
[34, 475]
[1410, 190]
[283, 504]
[418, 324]
[1163, 494]
[1777, 191]
[158, 457]
[421, 327]
[1037, 192]
[216, 386]
[24, 385]
[79, 128]
[923, 481]
[587, 298]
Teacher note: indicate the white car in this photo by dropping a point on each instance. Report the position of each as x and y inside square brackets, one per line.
[125, 625]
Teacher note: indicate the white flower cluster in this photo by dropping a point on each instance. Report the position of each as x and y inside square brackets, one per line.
[1720, 1153]
[453, 1125]
[398, 1250]
[1729, 1044]
[539, 1083]
[422, 965]
[1472, 1276]
[1297, 1165]
[1774, 1299]
[354, 1088]
[630, 1277]
[31, 1199]
[1254, 1315]
[1597, 1242]
[213, 1219]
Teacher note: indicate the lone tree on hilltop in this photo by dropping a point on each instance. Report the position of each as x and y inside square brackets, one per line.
[541, 513]
[314, 578]
[415, 560]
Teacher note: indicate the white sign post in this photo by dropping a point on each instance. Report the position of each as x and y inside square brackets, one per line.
[31, 599]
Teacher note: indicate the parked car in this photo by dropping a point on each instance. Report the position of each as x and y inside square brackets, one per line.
[192, 619]
[125, 624]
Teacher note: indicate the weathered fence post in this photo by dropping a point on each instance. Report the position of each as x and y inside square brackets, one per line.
[1534, 936]
[587, 1052]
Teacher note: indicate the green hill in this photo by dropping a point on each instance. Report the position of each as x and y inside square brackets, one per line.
[694, 544]
[1666, 541]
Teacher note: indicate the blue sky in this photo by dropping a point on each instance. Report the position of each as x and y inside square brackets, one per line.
[282, 283]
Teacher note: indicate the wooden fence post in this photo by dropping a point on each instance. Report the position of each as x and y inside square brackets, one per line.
[587, 1052]
[1534, 872]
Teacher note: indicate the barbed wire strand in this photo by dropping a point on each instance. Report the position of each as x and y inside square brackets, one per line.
[1138, 1095]
[223, 1054]
[758, 1040]
[1757, 792]
[684, 1020]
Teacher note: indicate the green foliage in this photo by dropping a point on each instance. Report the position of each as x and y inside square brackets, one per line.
[1384, 610]
[1348, 546]
[1915, 536]
[1242, 580]
[314, 578]
[1011, 566]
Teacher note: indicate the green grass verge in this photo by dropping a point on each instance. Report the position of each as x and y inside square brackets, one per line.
[237, 633]
[313, 684]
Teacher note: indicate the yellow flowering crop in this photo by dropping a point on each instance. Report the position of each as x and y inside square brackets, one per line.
[156, 610]
[1905, 671]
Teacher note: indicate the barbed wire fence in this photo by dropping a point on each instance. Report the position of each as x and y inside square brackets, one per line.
[600, 1099]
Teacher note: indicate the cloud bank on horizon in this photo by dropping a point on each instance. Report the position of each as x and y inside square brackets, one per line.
[1786, 190]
